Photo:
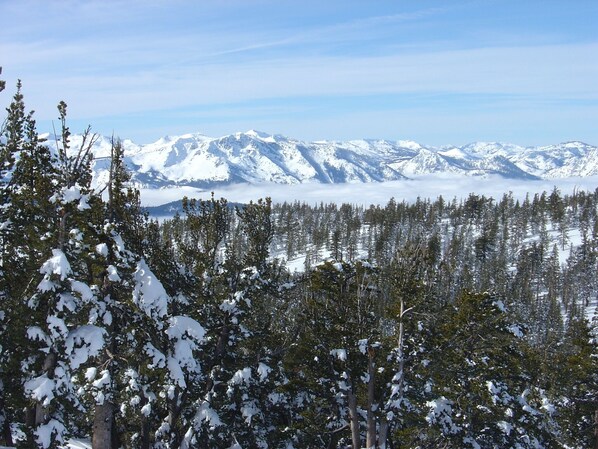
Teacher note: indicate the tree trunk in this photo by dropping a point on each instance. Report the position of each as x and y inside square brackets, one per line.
[371, 417]
[30, 417]
[102, 426]
[6, 434]
[399, 377]
[401, 345]
[30, 425]
[383, 434]
[355, 437]
[173, 419]
[596, 430]
[145, 433]
[42, 414]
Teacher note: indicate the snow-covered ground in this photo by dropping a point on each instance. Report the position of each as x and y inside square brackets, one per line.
[78, 444]
[72, 444]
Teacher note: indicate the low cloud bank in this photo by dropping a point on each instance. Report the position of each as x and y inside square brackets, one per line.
[374, 193]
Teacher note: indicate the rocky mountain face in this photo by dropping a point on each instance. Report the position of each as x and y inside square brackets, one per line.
[255, 157]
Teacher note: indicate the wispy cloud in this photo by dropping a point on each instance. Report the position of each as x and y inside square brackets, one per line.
[120, 58]
[565, 71]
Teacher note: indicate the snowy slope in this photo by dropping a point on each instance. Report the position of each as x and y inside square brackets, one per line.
[255, 157]
[559, 161]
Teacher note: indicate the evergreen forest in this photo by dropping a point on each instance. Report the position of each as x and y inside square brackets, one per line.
[439, 323]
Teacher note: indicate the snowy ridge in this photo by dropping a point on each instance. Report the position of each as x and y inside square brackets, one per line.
[255, 157]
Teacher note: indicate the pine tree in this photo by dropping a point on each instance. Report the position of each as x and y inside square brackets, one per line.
[8, 357]
[61, 340]
[479, 394]
[132, 308]
[43, 240]
[260, 340]
[235, 291]
[338, 357]
[572, 377]
[198, 240]
[29, 214]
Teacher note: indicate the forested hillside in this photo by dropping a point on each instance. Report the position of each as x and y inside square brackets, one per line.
[445, 323]
[537, 250]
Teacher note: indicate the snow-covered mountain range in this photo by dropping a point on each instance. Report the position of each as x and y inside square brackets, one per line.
[256, 157]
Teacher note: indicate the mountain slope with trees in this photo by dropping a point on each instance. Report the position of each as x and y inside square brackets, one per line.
[456, 324]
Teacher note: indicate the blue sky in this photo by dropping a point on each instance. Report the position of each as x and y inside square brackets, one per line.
[438, 72]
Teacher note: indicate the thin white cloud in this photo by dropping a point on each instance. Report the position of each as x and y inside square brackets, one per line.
[164, 48]
[553, 72]
[86, 54]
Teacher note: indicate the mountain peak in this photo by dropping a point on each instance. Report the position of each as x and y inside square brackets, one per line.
[412, 145]
[259, 134]
[255, 156]
[575, 144]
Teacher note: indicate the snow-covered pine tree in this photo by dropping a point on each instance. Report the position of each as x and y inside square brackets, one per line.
[176, 353]
[43, 332]
[339, 361]
[60, 338]
[412, 313]
[131, 307]
[7, 354]
[232, 286]
[478, 392]
[571, 378]
[257, 403]
[198, 242]
[27, 218]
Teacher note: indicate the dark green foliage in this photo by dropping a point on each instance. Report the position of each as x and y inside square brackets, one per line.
[338, 333]
[256, 225]
[29, 223]
[572, 378]
[478, 390]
